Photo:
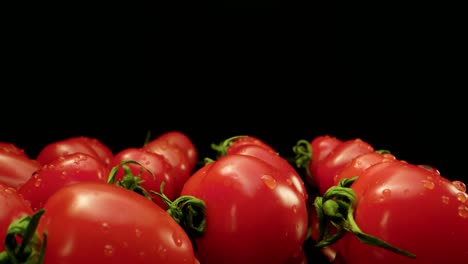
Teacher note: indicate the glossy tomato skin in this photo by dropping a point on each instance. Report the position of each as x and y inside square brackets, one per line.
[65, 170]
[411, 208]
[157, 164]
[182, 141]
[274, 159]
[359, 164]
[321, 146]
[12, 207]
[253, 213]
[241, 141]
[176, 157]
[89, 146]
[341, 155]
[92, 222]
[15, 166]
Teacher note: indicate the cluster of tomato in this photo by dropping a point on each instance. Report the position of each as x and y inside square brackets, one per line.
[371, 207]
[78, 201]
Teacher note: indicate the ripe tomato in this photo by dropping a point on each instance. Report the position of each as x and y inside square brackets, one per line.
[411, 208]
[273, 158]
[91, 222]
[65, 170]
[309, 155]
[176, 156]
[334, 162]
[232, 144]
[15, 166]
[182, 141]
[160, 168]
[12, 207]
[359, 164]
[254, 214]
[90, 146]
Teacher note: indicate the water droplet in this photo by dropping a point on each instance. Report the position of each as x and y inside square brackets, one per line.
[105, 226]
[63, 175]
[108, 250]
[294, 208]
[269, 181]
[428, 184]
[462, 197]
[459, 185]
[386, 193]
[289, 181]
[445, 199]
[37, 182]
[137, 232]
[463, 211]
[9, 190]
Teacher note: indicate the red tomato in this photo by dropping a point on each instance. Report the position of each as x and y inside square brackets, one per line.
[12, 207]
[359, 164]
[274, 159]
[182, 141]
[15, 166]
[411, 208]
[11, 148]
[91, 222]
[160, 168]
[334, 162]
[232, 144]
[176, 157]
[63, 171]
[253, 213]
[89, 146]
[309, 155]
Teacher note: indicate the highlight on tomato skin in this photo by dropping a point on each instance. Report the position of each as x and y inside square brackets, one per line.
[242, 195]
[400, 204]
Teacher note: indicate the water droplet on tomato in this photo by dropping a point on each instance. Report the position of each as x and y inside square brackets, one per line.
[463, 211]
[269, 181]
[445, 199]
[105, 226]
[37, 182]
[428, 184]
[459, 185]
[177, 239]
[462, 197]
[108, 250]
[9, 190]
[63, 175]
[294, 208]
[386, 193]
[138, 232]
[289, 181]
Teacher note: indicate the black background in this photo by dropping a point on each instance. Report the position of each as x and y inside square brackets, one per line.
[389, 74]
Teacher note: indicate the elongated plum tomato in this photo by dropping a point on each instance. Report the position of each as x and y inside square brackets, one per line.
[278, 162]
[309, 155]
[411, 208]
[358, 165]
[92, 222]
[15, 166]
[334, 162]
[253, 212]
[65, 170]
[182, 141]
[161, 171]
[86, 145]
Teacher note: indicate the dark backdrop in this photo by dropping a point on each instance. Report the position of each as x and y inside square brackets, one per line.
[386, 74]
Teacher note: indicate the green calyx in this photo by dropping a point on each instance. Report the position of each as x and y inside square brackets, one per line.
[188, 211]
[130, 181]
[336, 209]
[222, 147]
[31, 249]
[303, 151]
